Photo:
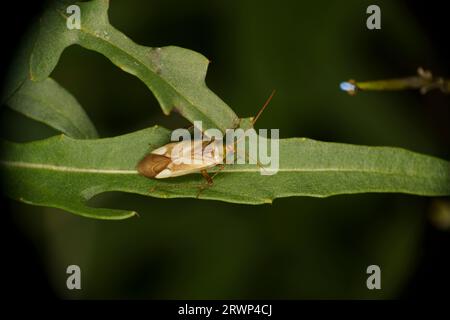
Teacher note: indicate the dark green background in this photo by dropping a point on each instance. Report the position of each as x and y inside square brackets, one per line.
[296, 247]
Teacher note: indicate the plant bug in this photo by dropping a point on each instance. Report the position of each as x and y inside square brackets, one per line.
[186, 157]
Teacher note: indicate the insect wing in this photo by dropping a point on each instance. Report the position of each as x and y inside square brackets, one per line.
[186, 157]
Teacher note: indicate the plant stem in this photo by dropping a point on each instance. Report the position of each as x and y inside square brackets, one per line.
[424, 81]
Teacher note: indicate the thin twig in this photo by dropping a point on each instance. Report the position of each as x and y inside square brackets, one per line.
[424, 81]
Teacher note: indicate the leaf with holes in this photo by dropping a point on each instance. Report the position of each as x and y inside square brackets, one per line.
[175, 75]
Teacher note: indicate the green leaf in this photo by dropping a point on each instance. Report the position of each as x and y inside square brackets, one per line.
[175, 75]
[46, 101]
[64, 173]
[19, 70]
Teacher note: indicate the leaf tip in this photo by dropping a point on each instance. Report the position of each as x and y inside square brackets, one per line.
[134, 214]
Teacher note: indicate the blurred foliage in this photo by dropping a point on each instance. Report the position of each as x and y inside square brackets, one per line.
[295, 248]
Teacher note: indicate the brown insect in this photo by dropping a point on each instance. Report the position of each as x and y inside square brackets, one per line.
[185, 157]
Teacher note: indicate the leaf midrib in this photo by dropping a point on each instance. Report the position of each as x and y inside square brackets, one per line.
[49, 167]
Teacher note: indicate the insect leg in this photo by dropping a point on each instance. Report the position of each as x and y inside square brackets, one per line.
[206, 176]
[209, 179]
[258, 164]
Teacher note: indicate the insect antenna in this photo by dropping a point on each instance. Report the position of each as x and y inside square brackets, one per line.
[263, 107]
[254, 119]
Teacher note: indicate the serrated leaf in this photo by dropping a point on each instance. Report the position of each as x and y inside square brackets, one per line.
[175, 75]
[63, 172]
[47, 102]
